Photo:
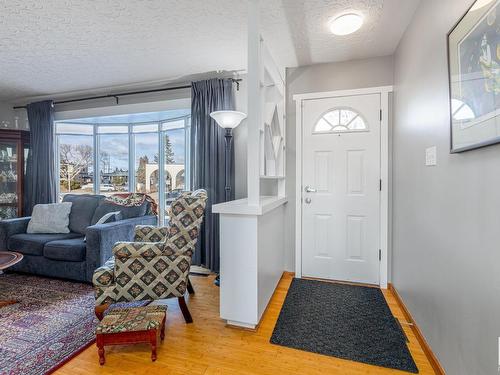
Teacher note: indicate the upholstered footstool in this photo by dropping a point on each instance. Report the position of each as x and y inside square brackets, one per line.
[133, 325]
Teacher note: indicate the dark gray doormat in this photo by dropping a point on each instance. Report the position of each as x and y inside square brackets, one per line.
[344, 321]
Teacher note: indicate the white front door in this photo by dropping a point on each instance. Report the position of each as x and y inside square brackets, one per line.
[341, 188]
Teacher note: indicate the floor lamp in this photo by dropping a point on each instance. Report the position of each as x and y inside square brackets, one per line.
[227, 120]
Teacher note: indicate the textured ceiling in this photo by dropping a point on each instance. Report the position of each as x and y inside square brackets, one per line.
[55, 46]
[307, 21]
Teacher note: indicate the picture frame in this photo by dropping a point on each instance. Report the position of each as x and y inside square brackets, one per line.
[474, 77]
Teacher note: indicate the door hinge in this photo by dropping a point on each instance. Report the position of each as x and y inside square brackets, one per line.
[380, 115]
[379, 255]
[380, 185]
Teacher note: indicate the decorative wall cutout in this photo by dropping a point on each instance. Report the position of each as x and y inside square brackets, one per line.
[272, 127]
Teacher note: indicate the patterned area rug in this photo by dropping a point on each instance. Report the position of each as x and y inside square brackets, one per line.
[344, 321]
[53, 322]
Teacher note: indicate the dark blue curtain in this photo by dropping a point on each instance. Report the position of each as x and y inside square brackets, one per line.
[208, 160]
[40, 185]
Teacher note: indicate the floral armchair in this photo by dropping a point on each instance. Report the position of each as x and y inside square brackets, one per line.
[156, 265]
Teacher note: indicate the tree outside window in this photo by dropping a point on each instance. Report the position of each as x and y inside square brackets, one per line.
[75, 166]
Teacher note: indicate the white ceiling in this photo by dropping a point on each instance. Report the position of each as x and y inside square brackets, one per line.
[307, 20]
[55, 46]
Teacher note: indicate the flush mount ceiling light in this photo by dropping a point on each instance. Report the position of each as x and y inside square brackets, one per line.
[346, 24]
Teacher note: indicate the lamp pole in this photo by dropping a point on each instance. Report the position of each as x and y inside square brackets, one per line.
[227, 164]
[227, 120]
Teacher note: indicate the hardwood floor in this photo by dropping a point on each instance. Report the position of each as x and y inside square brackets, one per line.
[209, 347]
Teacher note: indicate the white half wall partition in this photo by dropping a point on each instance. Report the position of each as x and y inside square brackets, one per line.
[252, 258]
[252, 238]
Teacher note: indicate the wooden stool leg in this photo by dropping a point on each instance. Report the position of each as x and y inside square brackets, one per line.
[154, 343]
[100, 349]
[100, 310]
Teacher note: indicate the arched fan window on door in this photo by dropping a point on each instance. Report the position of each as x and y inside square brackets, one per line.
[340, 120]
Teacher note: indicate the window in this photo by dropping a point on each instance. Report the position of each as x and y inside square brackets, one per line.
[113, 163]
[126, 156]
[146, 146]
[76, 163]
[340, 120]
[175, 137]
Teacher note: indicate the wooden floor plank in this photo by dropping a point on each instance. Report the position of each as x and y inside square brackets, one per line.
[209, 347]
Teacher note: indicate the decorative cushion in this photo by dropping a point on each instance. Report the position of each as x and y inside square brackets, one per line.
[32, 244]
[134, 200]
[132, 319]
[126, 212]
[70, 250]
[50, 218]
[82, 211]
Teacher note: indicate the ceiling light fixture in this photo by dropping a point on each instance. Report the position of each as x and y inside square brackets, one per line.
[346, 24]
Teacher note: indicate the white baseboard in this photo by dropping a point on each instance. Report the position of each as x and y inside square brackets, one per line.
[200, 270]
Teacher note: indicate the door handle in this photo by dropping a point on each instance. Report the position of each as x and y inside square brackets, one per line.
[309, 189]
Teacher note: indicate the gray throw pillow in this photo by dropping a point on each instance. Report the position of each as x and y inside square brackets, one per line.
[50, 218]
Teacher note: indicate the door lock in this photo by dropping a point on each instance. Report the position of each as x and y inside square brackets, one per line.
[308, 200]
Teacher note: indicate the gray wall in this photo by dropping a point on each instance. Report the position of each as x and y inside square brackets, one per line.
[446, 223]
[316, 78]
[6, 114]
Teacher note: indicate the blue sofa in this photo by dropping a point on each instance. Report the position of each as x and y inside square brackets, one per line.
[77, 254]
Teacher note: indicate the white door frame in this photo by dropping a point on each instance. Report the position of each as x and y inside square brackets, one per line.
[299, 99]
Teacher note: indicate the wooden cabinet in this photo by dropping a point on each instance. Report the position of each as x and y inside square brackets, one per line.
[14, 147]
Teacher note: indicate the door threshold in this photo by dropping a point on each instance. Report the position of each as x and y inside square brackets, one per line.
[342, 282]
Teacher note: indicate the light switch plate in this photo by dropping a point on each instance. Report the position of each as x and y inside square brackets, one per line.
[431, 156]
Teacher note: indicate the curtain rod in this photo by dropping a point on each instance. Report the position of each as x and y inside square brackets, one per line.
[118, 95]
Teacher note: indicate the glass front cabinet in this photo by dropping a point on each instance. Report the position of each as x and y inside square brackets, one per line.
[14, 147]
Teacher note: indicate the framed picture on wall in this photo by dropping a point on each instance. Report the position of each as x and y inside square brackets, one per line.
[474, 76]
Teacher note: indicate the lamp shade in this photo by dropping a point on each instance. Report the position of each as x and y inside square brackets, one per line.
[228, 119]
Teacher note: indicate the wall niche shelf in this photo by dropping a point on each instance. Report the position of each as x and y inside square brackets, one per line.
[263, 177]
[272, 122]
